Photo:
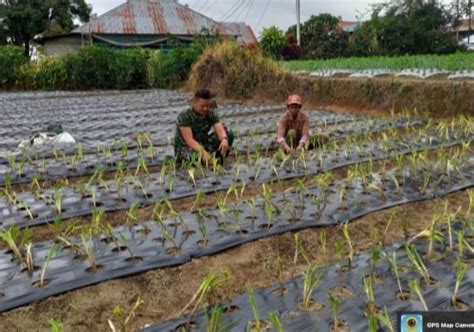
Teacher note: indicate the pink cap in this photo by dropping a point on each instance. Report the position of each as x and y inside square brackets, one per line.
[294, 99]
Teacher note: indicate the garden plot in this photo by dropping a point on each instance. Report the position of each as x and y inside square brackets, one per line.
[130, 192]
[360, 293]
[102, 253]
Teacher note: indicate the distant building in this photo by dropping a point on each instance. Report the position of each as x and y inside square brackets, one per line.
[145, 23]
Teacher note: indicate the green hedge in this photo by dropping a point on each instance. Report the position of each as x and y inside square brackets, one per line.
[99, 68]
[11, 60]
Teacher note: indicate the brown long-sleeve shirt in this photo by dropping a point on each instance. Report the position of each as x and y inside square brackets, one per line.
[300, 124]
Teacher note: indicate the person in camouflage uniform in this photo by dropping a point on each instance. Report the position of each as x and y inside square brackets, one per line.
[192, 139]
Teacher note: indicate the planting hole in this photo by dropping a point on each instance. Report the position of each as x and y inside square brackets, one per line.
[37, 284]
[159, 240]
[119, 249]
[173, 250]
[280, 291]
[404, 295]
[342, 326]
[312, 306]
[185, 327]
[94, 269]
[264, 325]
[188, 233]
[241, 232]
[35, 268]
[264, 227]
[134, 260]
[230, 308]
[341, 292]
[460, 305]
[108, 240]
[202, 243]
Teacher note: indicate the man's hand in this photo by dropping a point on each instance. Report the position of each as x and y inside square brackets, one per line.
[206, 158]
[286, 148]
[224, 146]
[300, 147]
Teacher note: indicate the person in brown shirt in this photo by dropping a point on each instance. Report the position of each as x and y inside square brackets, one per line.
[293, 127]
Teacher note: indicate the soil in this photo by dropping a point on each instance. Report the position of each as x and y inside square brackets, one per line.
[166, 291]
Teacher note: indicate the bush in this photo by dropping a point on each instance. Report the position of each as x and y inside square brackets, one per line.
[11, 61]
[234, 72]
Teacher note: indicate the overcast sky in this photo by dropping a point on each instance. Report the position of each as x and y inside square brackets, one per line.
[263, 13]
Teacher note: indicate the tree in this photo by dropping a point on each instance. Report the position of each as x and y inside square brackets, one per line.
[322, 37]
[23, 20]
[273, 42]
[407, 27]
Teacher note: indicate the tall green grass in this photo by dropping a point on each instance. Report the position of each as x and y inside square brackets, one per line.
[98, 68]
[452, 62]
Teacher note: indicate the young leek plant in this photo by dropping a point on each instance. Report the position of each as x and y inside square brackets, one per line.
[461, 269]
[311, 281]
[52, 251]
[415, 289]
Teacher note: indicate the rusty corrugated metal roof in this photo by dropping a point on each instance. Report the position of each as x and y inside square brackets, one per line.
[245, 35]
[156, 17]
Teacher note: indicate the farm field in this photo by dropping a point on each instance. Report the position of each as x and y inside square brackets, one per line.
[112, 232]
[453, 66]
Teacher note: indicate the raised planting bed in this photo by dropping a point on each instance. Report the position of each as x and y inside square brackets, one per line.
[360, 293]
[63, 202]
[102, 253]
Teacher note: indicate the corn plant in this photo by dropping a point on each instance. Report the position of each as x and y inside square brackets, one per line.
[417, 262]
[123, 320]
[323, 241]
[192, 176]
[52, 251]
[461, 269]
[433, 235]
[311, 281]
[273, 316]
[415, 289]
[204, 233]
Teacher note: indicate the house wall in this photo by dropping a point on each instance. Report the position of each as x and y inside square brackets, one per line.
[64, 45]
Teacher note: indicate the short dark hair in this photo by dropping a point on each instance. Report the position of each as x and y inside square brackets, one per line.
[204, 94]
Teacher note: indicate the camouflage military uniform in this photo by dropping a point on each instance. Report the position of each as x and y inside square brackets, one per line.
[200, 125]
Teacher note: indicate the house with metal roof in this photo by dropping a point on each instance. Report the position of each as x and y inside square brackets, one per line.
[145, 23]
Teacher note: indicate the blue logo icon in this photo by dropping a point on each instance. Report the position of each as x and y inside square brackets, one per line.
[411, 323]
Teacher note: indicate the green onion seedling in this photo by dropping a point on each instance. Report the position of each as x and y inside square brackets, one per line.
[417, 262]
[214, 319]
[118, 313]
[29, 259]
[415, 289]
[311, 281]
[273, 316]
[345, 231]
[299, 250]
[335, 305]
[384, 317]
[253, 304]
[52, 251]
[56, 325]
[10, 236]
[461, 269]
[208, 286]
